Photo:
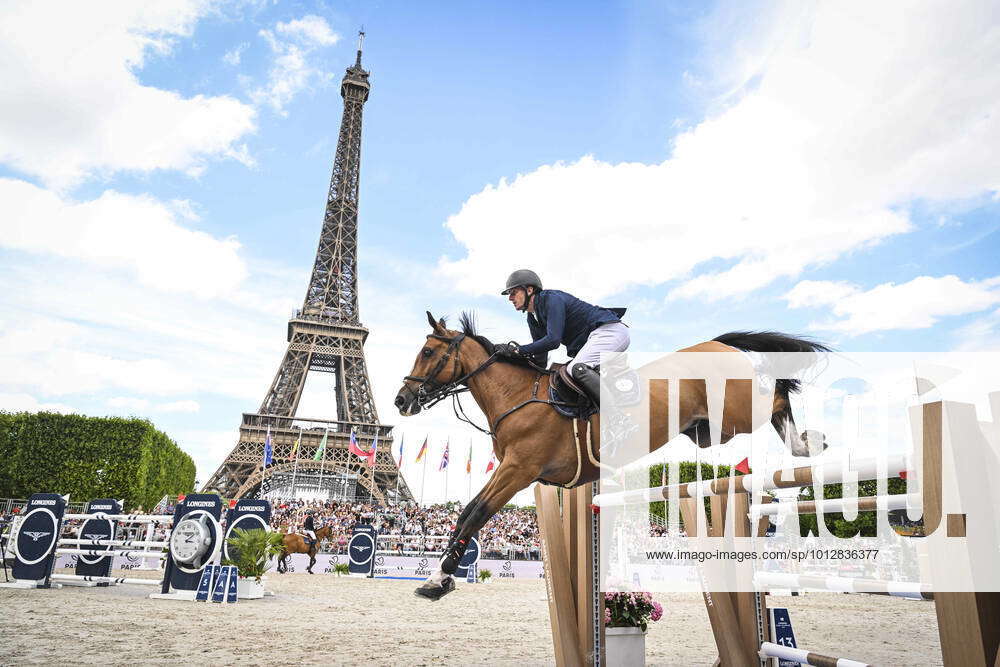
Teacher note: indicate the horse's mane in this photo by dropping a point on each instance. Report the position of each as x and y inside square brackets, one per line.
[468, 323]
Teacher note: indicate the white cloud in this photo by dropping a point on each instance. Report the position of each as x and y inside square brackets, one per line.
[140, 406]
[178, 406]
[115, 337]
[981, 334]
[310, 29]
[293, 70]
[92, 115]
[27, 403]
[136, 405]
[135, 233]
[817, 156]
[233, 56]
[917, 304]
[208, 448]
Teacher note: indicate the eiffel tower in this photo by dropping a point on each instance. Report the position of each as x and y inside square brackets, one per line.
[325, 335]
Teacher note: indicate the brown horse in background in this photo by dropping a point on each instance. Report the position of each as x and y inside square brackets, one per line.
[533, 442]
[293, 543]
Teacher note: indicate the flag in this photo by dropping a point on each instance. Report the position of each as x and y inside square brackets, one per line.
[468, 461]
[743, 466]
[322, 447]
[402, 439]
[295, 447]
[371, 455]
[354, 448]
[493, 458]
[423, 450]
[444, 457]
[268, 452]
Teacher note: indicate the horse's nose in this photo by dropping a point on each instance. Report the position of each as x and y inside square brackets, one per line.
[400, 401]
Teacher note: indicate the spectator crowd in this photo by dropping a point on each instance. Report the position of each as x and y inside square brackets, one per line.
[412, 530]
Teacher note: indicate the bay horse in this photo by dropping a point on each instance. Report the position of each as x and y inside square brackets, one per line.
[536, 443]
[293, 543]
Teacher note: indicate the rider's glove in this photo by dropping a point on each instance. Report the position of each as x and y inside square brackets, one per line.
[508, 350]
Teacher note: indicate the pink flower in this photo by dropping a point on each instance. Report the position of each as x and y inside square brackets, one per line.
[607, 616]
[657, 613]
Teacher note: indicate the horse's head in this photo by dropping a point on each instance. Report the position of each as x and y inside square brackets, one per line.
[437, 368]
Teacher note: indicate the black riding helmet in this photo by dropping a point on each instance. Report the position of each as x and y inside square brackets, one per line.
[522, 278]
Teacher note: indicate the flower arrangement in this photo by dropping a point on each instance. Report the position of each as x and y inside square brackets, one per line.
[630, 610]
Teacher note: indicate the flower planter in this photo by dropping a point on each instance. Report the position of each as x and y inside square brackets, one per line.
[626, 647]
[248, 588]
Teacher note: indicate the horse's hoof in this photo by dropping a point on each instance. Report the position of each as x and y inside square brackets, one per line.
[433, 591]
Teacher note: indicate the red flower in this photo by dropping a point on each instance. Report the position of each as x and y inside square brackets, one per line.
[596, 509]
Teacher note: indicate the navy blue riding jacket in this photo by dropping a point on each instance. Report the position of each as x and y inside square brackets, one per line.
[562, 319]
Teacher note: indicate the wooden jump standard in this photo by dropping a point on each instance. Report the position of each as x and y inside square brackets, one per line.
[570, 553]
[968, 622]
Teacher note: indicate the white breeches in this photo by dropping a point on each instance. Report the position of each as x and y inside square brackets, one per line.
[610, 337]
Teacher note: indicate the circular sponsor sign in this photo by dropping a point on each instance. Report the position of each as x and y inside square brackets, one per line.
[195, 541]
[471, 556]
[36, 536]
[245, 522]
[96, 529]
[361, 549]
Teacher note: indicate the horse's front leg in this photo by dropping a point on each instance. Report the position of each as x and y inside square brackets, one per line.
[506, 482]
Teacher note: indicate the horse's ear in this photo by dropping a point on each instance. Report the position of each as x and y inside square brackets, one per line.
[438, 327]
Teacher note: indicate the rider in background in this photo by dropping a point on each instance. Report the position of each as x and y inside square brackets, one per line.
[308, 527]
[556, 318]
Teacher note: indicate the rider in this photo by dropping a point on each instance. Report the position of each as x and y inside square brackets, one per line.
[308, 527]
[555, 318]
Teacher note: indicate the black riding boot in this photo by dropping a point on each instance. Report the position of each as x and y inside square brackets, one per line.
[589, 380]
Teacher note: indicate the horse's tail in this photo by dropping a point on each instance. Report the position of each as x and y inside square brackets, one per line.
[774, 341]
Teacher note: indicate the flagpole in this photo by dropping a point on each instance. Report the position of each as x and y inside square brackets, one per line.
[423, 480]
[295, 469]
[399, 466]
[468, 469]
[322, 460]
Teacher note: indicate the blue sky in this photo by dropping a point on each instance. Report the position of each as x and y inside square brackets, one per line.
[820, 168]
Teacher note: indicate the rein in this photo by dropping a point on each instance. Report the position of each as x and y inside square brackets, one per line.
[430, 392]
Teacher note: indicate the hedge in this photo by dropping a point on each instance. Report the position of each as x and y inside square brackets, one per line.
[90, 457]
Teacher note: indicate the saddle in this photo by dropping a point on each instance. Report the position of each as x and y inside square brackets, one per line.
[620, 382]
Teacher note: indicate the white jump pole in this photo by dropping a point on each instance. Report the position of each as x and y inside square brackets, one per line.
[123, 518]
[906, 589]
[108, 580]
[116, 543]
[771, 650]
[101, 554]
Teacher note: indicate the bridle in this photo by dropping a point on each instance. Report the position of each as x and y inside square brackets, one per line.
[431, 391]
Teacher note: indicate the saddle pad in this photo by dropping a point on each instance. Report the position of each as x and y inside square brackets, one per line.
[572, 408]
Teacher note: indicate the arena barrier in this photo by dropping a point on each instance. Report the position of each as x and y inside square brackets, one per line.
[366, 559]
[968, 622]
[195, 542]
